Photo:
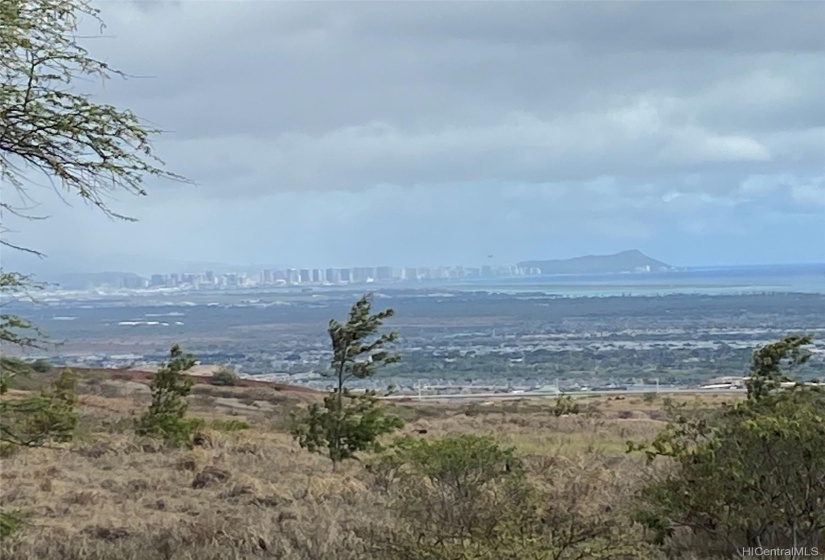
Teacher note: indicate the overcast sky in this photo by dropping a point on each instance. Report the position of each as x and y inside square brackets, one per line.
[347, 134]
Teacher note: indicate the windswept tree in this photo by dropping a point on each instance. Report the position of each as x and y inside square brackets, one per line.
[357, 348]
[349, 423]
[772, 364]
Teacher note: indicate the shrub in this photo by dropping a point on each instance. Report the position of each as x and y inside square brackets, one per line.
[49, 416]
[468, 497]
[58, 416]
[224, 377]
[229, 425]
[452, 497]
[747, 475]
[41, 366]
[565, 405]
[473, 409]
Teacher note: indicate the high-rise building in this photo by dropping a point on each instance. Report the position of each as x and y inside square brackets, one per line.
[332, 275]
[410, 274]
[267, 277]
[345, 274]
[293, 276]
[304, 276]
[383, 273]
[363, 274]
[317, 275]
[134, 282]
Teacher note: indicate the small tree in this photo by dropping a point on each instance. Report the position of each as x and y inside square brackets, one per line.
[166, 417]
[348, 423]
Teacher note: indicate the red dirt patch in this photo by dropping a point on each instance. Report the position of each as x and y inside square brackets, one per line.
[137, 375]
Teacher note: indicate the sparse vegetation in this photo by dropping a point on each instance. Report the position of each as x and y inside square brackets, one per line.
[572, 469]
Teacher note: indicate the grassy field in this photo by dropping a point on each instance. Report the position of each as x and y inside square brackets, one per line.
[246, 490]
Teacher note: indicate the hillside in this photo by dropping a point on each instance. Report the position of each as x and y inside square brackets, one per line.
[245, 490]
[625, 261]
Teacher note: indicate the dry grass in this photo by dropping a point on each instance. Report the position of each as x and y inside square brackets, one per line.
[253, 493]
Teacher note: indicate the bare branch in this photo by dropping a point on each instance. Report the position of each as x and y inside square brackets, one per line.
[91, 150]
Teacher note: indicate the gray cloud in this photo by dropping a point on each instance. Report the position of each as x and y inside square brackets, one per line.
[613, 124]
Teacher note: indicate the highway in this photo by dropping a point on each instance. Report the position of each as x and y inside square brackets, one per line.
[551, 394]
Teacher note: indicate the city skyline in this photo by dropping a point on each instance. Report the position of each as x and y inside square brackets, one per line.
[296, 276]
[253, 270]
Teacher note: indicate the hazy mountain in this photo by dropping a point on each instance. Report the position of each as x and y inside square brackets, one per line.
[88, 280]
[625, 261]
[60, 268]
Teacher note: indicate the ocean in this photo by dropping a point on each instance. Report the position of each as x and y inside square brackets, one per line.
[807, 278]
